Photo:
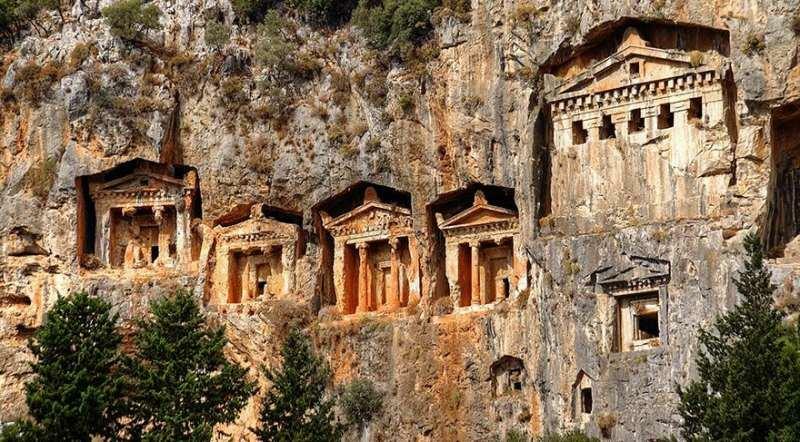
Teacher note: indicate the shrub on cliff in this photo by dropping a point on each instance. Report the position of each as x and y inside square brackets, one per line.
[325, 12]
[131, 19]
[75, 390]
[181, 384]
[749, 367]
[295, 408]
[395, 24]
[360, 401]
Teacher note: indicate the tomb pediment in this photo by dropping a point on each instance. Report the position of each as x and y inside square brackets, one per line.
[255, 230]
[632, 273]
[372, 216]
[141, 182]
[652, 64]
[481, 216]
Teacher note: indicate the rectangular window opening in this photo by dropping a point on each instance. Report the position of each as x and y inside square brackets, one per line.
[586, 400]
[579, 134]
[636, 122]
[607, 130]
[696, 108]
[153, 253]
[666, 118]
[634, 69]
[646, 326]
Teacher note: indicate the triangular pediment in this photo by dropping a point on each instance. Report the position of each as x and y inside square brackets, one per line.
[631, 272]
[369, 213]
[616, 70]
[256, 225]
[141, 181]
[479, 215]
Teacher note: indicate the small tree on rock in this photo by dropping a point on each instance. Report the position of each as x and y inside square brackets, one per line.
[181, 383]
[74, 394]
[745, 365]
[295, 408]
[360, 401]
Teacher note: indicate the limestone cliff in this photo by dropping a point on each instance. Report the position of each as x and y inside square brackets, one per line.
[596, 216]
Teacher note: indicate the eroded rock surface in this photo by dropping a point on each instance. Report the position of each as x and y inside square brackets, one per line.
[601, 208]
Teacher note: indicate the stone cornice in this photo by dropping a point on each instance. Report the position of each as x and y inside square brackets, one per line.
[379, 226]
[506, 227]
[588, 101]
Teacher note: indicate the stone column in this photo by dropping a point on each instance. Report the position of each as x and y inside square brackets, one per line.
[650, 115]
[592, 126]
[163, 237]
[339, 284]
[475, 273]
[620, 121]
[102, 239]
[394, 276]
[288, 263]
[363, 278]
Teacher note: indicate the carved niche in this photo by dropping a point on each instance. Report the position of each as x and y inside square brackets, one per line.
[375, 263]
[139, 215]
[638, 288]
[480, 264]
[255, 258]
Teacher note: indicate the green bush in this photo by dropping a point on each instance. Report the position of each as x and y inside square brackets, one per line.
[130, 19]
[276, 52]
[754, 43]
[570, 436]
[360, 401]
[325, 12]
[32, 82]
[218, 34]
[252, 10]
[395, 24]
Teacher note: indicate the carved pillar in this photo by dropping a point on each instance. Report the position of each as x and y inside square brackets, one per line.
[363, 278]
[103, 240]
[650, 115]
[248, 278]
[340, 284]
[620, 122]
[288, 263]
[163, 235]
[592, 126]
[394, 276]
[475, 282]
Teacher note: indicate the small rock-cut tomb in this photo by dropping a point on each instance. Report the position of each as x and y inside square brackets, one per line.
[638, 287]
[142, 215]
[375, 264]
[480, 263]
[255, 258]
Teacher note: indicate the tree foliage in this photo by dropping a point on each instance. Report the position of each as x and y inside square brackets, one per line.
[394, 24]
[75, 390]
[131, 19]
[295, 408]
[181, 384]
[749, 367]
[360, 401]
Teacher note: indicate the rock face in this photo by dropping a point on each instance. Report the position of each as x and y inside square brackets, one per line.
[637, 143]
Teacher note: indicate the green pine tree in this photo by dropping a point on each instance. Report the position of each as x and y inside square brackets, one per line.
[181, 383]
[295, 408]
[745, 366]
[75, 391]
